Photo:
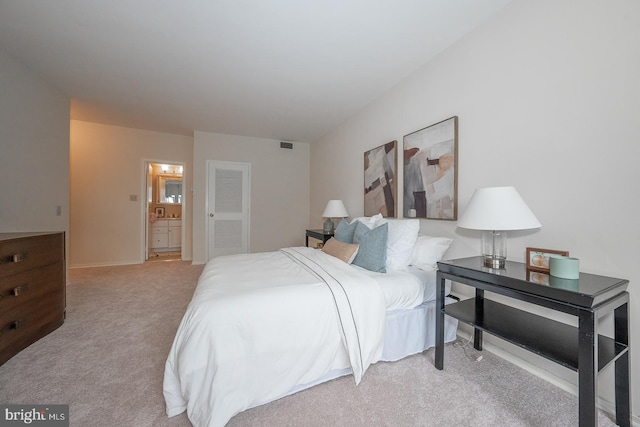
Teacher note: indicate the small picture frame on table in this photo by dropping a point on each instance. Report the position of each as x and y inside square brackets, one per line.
[538, 259]
[538, 277]
[159, 212]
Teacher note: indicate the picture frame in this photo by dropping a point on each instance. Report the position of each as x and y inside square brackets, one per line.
[539, 277]
[159, 211]
[430, 157]
[538, 259]
[380, 180]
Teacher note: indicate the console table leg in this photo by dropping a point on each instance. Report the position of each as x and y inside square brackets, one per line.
[477, 333]
[623, 410]
[587, 368]
[622, 374]
[439, 352]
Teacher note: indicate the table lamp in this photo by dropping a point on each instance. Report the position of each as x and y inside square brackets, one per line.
[334, 209]
[495, 211]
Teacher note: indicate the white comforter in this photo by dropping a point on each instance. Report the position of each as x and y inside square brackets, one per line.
[261, 324]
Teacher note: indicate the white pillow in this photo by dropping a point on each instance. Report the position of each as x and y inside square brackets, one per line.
[428, 251]
[369, 221]
[400, 241]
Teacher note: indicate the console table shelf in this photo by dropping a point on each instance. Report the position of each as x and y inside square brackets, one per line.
[548, 338]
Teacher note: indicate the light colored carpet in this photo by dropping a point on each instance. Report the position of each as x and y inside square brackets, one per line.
[107, 362]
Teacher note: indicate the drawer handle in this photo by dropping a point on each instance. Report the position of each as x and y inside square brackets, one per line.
[17, 258]
[17, 291]
[16, 324]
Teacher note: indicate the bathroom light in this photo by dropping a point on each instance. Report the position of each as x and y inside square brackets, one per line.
[495, 211]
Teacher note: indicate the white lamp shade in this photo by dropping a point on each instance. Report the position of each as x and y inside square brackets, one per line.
[498, 208]
[335, 209]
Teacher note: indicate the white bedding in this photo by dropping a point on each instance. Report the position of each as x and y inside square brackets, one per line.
[407, 288]
[299, 312]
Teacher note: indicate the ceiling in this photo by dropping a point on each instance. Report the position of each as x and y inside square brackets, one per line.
[280, 69]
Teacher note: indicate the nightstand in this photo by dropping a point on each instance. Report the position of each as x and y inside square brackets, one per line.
[318, 234]
[580, 348]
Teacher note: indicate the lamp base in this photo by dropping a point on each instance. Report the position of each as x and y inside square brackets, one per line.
[494, 248]
[494, 262]
[327, 227]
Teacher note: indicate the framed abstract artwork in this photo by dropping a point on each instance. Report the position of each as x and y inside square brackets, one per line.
[380, 183]
[431, 172]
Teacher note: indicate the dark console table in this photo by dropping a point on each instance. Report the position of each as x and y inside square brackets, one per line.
[318, 234]
[581, 349]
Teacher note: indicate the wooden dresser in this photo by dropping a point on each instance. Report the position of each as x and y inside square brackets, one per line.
[32, 289]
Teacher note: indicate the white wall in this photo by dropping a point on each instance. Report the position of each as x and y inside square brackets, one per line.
[279, 189]
[548, 99]
[107, 167]
[34, 151]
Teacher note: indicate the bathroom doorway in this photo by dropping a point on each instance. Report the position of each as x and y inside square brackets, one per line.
[164, 210]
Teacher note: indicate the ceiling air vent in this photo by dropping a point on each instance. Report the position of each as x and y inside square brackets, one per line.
[288, 145]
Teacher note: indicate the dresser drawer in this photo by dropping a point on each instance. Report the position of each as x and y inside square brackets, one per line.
[24, 325]
[23, 288]
[22, 254]
[49, 302]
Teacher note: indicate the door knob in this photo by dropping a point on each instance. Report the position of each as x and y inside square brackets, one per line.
[211, 215]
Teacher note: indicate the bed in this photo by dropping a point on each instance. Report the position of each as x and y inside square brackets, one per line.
[262, 326]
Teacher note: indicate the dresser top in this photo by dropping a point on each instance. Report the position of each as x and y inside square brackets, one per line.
[20, 235]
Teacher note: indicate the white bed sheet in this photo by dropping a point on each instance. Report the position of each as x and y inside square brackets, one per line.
[428, 280]
[408, 288]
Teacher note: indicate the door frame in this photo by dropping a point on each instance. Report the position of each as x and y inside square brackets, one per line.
[211, 163]
[144, 205]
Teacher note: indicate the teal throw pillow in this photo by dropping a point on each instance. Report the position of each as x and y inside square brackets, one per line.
[344, 231]
[372, 253]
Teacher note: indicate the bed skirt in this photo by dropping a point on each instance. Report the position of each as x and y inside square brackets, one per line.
[407, 332]
[410, 332]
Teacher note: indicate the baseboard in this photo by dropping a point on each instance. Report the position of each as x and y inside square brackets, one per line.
[115, 264]
[605, 405]
[103, 264]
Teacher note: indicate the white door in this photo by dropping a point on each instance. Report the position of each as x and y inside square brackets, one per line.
[228, 195]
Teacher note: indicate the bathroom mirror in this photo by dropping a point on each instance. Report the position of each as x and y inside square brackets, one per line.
[170, 189]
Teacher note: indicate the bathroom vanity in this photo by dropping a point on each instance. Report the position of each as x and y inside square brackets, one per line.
[166, 235]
